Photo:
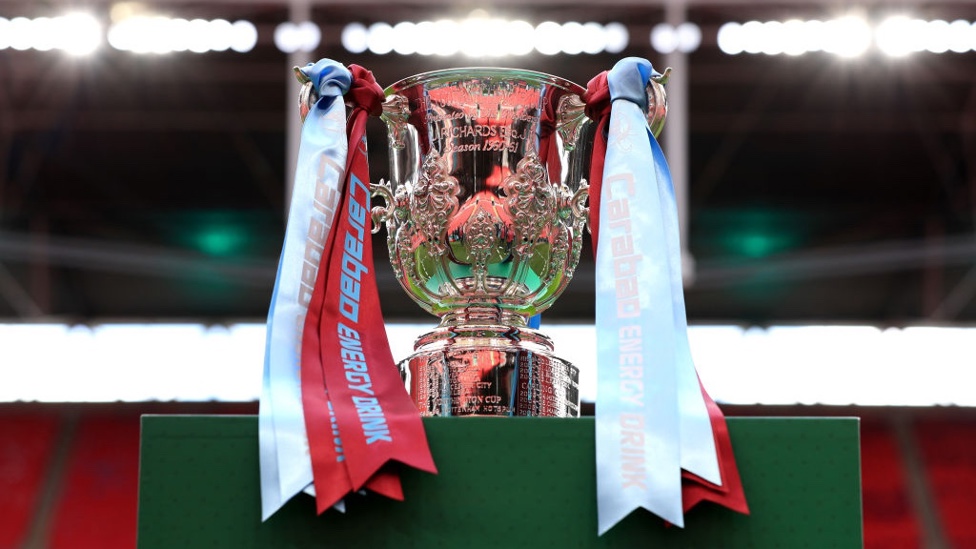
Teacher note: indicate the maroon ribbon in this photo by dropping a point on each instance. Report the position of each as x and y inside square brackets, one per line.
[597, 99]
[730, 494]
[358, 415]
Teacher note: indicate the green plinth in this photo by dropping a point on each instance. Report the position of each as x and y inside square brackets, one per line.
[503, 482]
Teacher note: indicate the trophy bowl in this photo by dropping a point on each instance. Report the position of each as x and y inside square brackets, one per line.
[485, 214]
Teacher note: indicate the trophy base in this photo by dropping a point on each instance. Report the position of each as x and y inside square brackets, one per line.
[490, 370]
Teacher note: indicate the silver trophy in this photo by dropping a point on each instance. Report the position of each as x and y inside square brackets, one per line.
[485, 214]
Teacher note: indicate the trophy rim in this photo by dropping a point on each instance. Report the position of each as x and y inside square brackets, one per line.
[442, 76]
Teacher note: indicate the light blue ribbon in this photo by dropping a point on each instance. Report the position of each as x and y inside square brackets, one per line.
[643, 436]
[286, 468]
[698, 452]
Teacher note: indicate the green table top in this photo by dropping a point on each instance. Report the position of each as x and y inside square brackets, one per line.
[503, 482]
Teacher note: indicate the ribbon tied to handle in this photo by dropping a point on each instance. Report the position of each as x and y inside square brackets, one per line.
[334, 414]
[661, 442]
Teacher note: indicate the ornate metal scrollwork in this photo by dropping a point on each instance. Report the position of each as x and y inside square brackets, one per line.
[530, 201]
[434, 202]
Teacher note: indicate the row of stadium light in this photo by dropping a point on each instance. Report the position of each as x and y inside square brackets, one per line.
[75, 33]
[487, 37]
[847, 36]
[164, 35]
[484, 37]
[81, 34]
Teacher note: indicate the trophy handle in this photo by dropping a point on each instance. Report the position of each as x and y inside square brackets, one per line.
[570, 116]
[382, 214]
[396, 112]
[306, 95]
[657, 102]
[578, 202]
[571, 112]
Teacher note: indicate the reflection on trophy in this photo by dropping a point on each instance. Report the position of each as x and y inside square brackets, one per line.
[485, 221]
[485, 214]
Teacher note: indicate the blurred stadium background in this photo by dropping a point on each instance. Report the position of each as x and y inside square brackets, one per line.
[826, 153]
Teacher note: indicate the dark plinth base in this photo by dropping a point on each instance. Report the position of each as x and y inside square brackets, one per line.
[503, 482]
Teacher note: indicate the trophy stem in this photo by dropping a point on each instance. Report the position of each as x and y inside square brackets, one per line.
[484, 362]
[479, 315]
